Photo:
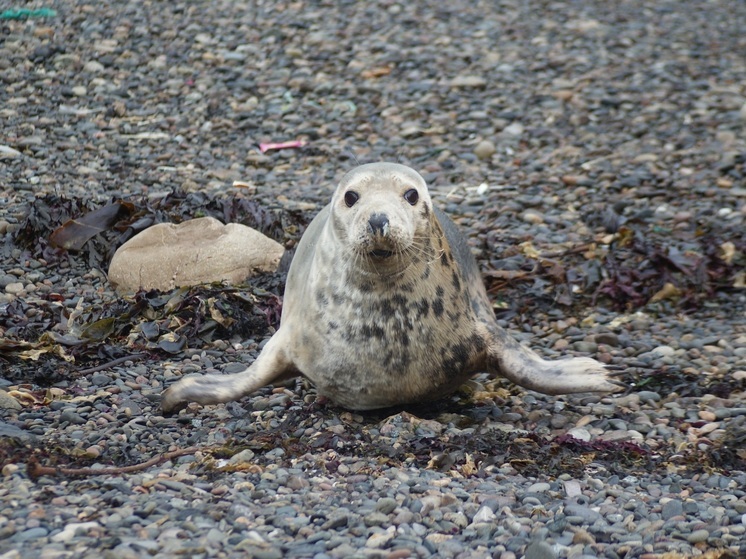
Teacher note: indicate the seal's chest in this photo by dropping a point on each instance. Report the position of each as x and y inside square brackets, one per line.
[393, 331]
[372, 351]
[383, 336]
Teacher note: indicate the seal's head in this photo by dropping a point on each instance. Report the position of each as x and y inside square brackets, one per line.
[380, 212]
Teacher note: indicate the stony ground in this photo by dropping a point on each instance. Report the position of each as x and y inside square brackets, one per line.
[595, 154]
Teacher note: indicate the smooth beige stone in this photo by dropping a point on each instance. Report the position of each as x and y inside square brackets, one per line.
[201, 250]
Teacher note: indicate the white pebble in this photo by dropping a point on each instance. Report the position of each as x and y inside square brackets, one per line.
[93, 66]
[14, 288]
[69, 531]
[484, 514]
[8, 152]
[485, 149]
[580, 434]
[664, 351]
[572, 487]
[533, 217]
[514, 129]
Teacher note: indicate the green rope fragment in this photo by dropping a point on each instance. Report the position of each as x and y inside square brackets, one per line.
[22, 13]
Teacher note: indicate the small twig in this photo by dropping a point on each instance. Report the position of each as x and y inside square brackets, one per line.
[113, 363]
[36, 470]
[573, 250]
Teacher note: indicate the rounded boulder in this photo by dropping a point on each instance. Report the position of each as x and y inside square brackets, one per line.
[202, 250]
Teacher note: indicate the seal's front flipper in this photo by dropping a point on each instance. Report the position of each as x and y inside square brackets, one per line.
[508, 358]
[272, 365]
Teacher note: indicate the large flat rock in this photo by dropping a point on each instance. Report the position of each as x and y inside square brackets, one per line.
[201, 250]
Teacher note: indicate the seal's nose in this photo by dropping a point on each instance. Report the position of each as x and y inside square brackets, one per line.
[379, 224]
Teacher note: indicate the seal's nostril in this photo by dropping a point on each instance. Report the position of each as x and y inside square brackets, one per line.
[378, 224]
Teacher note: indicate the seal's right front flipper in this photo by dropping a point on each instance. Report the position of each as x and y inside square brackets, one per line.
[271, 366]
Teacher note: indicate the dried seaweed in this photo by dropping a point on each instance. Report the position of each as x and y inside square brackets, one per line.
[75, 233]
[673, 380]
[469, 454]
[641, 266]
[478, 453]
[53, 221]
[56, 342]
[729, 453]
[60, 339]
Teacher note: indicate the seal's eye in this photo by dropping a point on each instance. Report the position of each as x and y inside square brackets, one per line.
[411, 196]
[351, 197]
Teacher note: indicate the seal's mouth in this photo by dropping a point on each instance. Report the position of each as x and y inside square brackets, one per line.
[381, 254]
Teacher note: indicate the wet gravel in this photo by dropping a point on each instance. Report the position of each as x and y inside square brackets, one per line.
[536, 124]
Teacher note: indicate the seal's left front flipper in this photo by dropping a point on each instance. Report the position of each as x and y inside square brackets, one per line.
[521, 365]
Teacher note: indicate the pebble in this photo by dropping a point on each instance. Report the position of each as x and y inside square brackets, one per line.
[94, 67]
[698, 536]
[584, 513]
[540, 550]
[7, 152]
[8, 402]
[31, 534]
[15, 288]
[69, 531]
[664, 351]
[386, 505]
[532, 216]
[242, 457]
[514, 129]
[671, 509]
[485, 149]
[468, 81]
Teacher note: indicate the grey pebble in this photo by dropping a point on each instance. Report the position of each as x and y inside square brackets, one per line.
[608, 338]
[386, 505]
[8, 402]
[672, 508]
[71, 416]
[698, 536]
[375, 519]
[100, 380]
[585, 347]
[6, 279]
[268, 554]
[649, 396]
[31, 534]
[586, 514]
[540, 550]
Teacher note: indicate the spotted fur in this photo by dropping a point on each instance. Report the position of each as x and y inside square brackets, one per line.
[387, 311]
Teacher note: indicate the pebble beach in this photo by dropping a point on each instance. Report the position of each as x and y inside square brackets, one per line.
[594, 154]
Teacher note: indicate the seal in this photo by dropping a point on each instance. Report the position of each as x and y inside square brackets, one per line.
[384, 305]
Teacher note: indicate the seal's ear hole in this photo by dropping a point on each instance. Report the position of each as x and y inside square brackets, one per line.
[412, 196]
[351, 197]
